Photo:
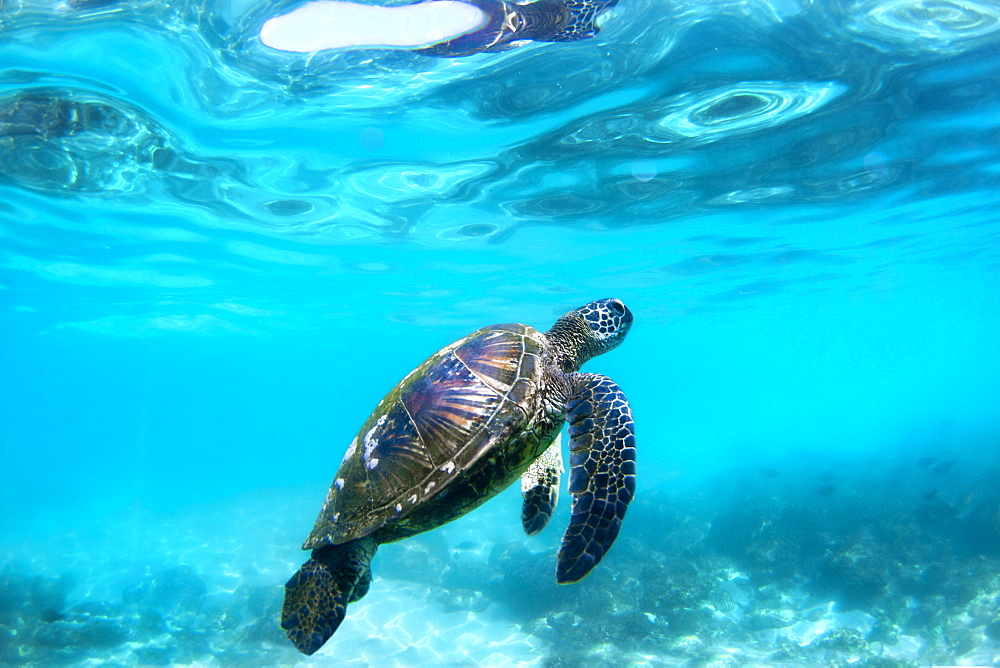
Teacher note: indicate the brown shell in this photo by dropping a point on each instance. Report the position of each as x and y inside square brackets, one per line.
[461, 403]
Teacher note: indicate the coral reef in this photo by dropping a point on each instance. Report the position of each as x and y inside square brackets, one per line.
[161, 620]
[896, 566]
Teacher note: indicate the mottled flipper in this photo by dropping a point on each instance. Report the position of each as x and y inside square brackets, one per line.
[316, 597]
[540, 488]
[602, 476]
[579, 24]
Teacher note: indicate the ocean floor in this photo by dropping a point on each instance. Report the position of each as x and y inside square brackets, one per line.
[893, 567]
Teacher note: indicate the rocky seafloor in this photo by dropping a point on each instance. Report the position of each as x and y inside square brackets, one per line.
[855, 564]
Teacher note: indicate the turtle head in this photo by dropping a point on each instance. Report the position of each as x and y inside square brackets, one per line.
[590, 330]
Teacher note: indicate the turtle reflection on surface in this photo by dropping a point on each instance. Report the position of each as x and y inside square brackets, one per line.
[56, 140]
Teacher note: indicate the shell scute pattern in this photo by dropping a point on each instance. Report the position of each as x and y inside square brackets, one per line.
[502, 356]
[442, 418]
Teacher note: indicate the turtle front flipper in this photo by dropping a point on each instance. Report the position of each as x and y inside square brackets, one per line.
[602, 475]
[561, 20]
[540, 488]
[509, 24]
[316, 597]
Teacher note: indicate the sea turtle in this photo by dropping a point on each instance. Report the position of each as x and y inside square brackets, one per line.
[459, 429]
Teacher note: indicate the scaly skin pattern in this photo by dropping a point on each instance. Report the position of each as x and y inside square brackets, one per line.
[602, 474]
[540, 488]
[318, 594]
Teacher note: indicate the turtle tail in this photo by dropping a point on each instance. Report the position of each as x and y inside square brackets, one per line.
[316, 597]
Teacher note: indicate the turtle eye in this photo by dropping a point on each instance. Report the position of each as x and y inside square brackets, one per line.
[617, 307]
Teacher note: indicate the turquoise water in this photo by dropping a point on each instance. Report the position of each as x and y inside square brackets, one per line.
[215, 259]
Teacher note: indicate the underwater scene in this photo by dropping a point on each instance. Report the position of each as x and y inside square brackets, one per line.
[229, 228]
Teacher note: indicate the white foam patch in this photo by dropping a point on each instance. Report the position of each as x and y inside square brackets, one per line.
[330, 24]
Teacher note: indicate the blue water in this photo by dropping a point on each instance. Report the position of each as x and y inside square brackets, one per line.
[215, 259]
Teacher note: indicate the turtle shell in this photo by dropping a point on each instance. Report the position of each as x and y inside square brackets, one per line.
[464, 401]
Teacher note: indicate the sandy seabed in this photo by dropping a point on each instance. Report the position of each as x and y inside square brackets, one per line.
[753, 573]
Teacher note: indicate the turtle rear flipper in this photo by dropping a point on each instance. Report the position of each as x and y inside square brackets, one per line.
[540, 488]
[316, 597]
[602, 478]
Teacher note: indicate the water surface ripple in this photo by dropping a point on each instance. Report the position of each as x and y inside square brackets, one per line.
[687, 121]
